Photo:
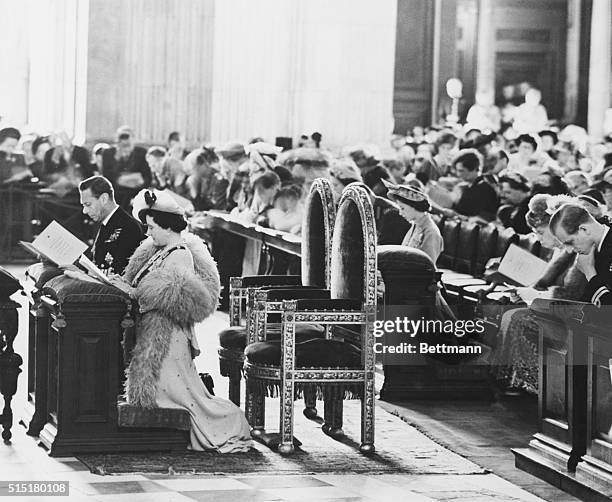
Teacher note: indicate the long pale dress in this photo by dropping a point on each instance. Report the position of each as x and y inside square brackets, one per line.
[216, 424]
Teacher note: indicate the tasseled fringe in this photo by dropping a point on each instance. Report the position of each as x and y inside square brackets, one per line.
[324, 391]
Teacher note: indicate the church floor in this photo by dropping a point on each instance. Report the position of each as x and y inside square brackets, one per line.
[24, 460]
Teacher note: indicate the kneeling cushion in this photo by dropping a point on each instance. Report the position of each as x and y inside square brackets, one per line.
[152, 418]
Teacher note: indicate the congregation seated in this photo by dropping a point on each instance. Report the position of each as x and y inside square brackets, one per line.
[65, 165]
[167, 172]
[515, 199]
[125, 165]
[288, 210]
[478, 199]
[205, 185]
[40, 146]
[12, 164]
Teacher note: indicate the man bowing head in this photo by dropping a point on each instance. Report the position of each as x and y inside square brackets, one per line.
[118, 235]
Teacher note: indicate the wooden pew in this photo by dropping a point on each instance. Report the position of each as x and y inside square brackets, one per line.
[572, 449]
[595, 469]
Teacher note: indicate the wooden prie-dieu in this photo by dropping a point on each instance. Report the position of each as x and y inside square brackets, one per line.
[86, 321]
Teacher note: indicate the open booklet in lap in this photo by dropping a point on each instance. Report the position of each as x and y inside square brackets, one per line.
[518, 267]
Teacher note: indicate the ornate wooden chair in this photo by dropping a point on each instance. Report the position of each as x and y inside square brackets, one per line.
[320, 213]
[339, 366]
[232, 340]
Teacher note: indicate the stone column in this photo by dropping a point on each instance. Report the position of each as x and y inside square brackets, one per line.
[485, 59]
[599, 72]
[572, 64]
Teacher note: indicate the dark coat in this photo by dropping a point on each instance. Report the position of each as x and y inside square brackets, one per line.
[116, 241]
[479, 199]
[598, 289]
[135, 163]
[79, 160]
[10, 165]
[390, 226]
[514, 217]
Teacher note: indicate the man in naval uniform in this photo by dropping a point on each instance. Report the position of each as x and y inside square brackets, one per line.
[118, 235]
[579, 232]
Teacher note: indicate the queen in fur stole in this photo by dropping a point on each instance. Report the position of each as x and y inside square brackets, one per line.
[169, 300]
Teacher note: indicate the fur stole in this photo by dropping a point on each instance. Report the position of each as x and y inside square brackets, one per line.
[556, 270]
[169, 300]
[563, 277]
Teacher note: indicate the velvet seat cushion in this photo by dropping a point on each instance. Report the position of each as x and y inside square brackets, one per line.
[41, 273]
[8, 283]
[235, 337]
[68, 289]
[318, 353]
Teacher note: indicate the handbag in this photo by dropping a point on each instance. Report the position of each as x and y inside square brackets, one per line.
[208, 382]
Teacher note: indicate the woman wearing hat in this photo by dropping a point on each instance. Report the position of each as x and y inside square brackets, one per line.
[414, 207]
[176, 283]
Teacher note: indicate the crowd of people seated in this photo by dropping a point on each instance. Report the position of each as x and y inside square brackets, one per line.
[512, 170]
[483, 175]
[488, 170]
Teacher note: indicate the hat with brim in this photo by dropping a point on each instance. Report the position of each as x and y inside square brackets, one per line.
[307, 157]
[406, 194]
[231, 150]
[156, 200]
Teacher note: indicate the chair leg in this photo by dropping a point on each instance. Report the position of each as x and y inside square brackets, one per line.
[286, 419]
[310, 402]
[234, 388]
[256, 413]
[333, 411]
[367, 418]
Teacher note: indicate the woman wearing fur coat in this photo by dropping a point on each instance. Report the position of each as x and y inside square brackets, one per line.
[176, 283]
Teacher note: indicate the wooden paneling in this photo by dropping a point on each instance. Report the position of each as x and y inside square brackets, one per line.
[413, 64]
[91, 360]
[530, 45]
[467, 41]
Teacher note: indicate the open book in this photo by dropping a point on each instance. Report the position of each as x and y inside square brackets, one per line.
[518, 267]
[57, 245]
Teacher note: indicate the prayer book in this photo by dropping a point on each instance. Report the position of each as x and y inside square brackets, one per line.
[520, 268]
[92, 270]
[57, 245]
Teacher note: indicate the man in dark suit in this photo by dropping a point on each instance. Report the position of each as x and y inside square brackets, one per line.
[479, 200]
[581, 233]
[119, 234]
[125, 166]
